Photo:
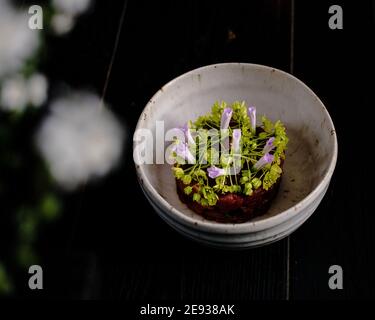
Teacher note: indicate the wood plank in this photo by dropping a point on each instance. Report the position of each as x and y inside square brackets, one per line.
[159, 41]
[338, 65]
[103, 248]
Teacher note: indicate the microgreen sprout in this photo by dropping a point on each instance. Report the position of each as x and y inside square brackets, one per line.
[209, 168]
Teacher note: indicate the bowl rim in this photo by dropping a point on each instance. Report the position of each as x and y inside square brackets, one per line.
[250, 226]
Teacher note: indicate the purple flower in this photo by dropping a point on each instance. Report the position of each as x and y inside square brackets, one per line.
[182, 151]
[214, 172]
[225, 118]
[251, 112]
[269, 145]
[187, 133]
[236, 140]
[266, 159]
[185, 128]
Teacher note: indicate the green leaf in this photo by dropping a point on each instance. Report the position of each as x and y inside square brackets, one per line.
[5, 284]
[204, 202]
[186, 179]
[200, 174]
[212, 201]
[248, 189]
[204, 192]
[267, 182]
[263, 135]
[220, 180]
[256, 183]
[218, 187]
[244, 179]
[188, 190]
[50, 207]
[225, 159]
[178, 172]
[227, 189]
[196, 197]
[267, 125]
[26, 255]
[246, 173]
[275, 169]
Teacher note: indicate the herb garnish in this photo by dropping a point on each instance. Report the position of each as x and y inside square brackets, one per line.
[224, 151]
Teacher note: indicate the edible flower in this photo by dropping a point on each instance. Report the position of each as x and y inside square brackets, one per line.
[236, 141]
[251, 112]
[225, 118]
[263, 161]
[269, 146]
[182, 151]
[214, 172]
[188, 135]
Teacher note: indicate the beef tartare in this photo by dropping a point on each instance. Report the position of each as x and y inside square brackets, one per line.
[227, 168]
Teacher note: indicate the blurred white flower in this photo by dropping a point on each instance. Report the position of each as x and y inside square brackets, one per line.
[37, 87]
[14, 94]
[71, 7]
[17, 41]
[62, 23]
[80, 140]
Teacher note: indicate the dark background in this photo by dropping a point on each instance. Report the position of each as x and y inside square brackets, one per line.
[110, 244]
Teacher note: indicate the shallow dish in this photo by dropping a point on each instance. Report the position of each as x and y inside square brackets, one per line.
[310, 158]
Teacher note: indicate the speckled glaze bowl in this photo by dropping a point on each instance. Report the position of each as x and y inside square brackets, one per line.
[310, 158]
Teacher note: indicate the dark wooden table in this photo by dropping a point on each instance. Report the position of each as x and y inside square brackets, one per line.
[104, 247]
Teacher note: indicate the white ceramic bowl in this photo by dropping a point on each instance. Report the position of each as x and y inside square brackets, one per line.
[310, 159]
